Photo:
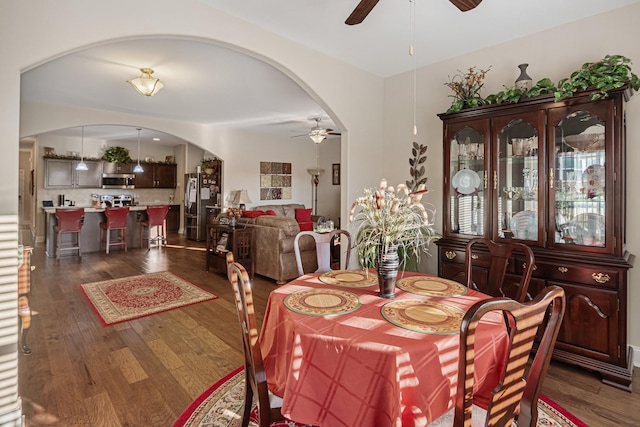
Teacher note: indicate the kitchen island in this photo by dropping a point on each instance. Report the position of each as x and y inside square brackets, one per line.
[90, 236]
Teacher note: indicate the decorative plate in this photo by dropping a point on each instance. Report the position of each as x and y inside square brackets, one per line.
[593, 179]
[424, 316]
[466, 181]
[349, 278]
[587, 229]
[524, 225]
[431, 286]
[322, 302]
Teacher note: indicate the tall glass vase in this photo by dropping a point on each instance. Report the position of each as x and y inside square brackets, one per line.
[387, 265]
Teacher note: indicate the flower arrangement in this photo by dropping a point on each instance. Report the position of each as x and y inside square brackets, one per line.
[386, 216]
[466, 88]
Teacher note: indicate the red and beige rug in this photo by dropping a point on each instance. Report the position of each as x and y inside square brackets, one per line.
[221, 404]
[120, 300]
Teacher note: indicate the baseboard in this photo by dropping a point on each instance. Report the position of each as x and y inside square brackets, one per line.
[636, 356]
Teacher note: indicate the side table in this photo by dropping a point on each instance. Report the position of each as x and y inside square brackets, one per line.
[222, 239]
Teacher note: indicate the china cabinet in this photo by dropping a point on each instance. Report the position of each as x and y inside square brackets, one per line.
[551, 175]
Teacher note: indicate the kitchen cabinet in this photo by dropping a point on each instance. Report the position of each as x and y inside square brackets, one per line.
[173, 219]
[550, 175]
[157, 175]
[62, 173]
[109, 167]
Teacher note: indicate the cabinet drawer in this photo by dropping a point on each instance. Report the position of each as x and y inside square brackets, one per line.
[479, 259]
[603, 277]
[451, 255]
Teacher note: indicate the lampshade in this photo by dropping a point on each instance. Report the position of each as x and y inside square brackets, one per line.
[315, 171]
[138, 168]
[241, 197]
[146, 84]
[82, 166]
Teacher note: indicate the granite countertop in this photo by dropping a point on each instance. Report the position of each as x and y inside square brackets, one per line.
[133, 208]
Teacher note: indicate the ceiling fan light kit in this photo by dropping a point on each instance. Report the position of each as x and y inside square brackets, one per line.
[146, 84]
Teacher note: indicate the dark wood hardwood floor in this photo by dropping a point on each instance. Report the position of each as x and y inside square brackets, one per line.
[146, 371]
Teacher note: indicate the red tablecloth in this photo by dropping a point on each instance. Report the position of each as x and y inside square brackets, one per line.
[358, 369]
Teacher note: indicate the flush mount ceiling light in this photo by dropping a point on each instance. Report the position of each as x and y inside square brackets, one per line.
[138, 168]
[146, 84]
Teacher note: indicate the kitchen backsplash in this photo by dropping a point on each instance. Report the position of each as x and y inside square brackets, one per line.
[81, 197]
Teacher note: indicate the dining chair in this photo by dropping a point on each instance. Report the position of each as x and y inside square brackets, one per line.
[489, 275]
[70, 221]
[518, 388]
[156, 217]
[323, 249]
[116, 220]
[268, 404]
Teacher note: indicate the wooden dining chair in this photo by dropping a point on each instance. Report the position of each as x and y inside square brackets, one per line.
[324, 249]
[489, 274]
[518, 388]
[255, 378]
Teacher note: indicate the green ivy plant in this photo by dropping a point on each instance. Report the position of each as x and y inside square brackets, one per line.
[417, 169]
[612, 72]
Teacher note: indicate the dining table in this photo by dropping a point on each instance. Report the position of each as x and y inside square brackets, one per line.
[338, 354]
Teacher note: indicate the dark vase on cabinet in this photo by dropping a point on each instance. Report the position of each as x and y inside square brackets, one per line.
[551, 175]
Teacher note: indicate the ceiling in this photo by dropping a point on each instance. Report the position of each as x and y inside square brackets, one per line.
[209, 84]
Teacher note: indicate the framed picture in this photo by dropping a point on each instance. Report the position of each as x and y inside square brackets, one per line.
[335, 174]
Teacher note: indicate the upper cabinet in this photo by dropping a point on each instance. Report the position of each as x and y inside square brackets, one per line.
[109, 167]
[157, 175]
[552, 176]
[62, 173]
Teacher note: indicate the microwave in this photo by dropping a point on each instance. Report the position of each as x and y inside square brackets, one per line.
[118, 180]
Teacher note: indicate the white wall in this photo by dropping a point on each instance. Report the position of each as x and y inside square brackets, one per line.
[554, 54]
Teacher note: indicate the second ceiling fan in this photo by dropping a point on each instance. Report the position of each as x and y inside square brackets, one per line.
[365, 6]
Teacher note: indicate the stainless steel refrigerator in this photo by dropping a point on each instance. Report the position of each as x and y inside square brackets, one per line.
[201, 190]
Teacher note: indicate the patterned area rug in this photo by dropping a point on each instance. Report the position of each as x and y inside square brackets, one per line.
[221, 404]
[120, 300]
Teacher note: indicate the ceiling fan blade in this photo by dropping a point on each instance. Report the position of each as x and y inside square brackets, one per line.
[465, 5]
[361, 11]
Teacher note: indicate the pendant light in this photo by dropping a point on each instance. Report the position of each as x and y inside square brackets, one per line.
[82, 166]
[137, 168]
[412, 19]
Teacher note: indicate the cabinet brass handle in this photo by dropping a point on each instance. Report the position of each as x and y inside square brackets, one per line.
[33, 267]
[474, 256]
[601, 277]
[563, 269]
[550, 177]
[535, 267]
[450, 254]
[495, 180]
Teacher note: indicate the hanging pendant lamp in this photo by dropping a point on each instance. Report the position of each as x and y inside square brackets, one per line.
[82, 166]
[146, 84]
[138, 168]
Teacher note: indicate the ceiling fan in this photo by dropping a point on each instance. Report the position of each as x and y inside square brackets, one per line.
[318, 133]
[365, 6]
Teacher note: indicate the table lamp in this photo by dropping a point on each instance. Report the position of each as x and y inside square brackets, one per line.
[241, 198]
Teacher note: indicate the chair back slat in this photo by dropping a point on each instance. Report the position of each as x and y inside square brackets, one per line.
[493, 279]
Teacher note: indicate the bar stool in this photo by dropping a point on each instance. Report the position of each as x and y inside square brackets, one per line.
[156, 217]
[69, 222]
[116, 220]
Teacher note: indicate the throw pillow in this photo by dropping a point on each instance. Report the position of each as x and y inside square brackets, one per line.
[271, 212]
[303, 215]
[253, 214]
[305, 226]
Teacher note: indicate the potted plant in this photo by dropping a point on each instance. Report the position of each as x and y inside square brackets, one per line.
[392, 226]
[117, 155]
[208, 165]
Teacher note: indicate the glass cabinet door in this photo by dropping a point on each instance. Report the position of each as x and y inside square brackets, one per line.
[579, 177]
[516, 183]
[467, 181]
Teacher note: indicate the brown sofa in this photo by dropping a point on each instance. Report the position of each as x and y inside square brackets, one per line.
[274, 242]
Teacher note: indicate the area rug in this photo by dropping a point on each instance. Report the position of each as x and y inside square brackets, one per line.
[221, 404]
[120, 300]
